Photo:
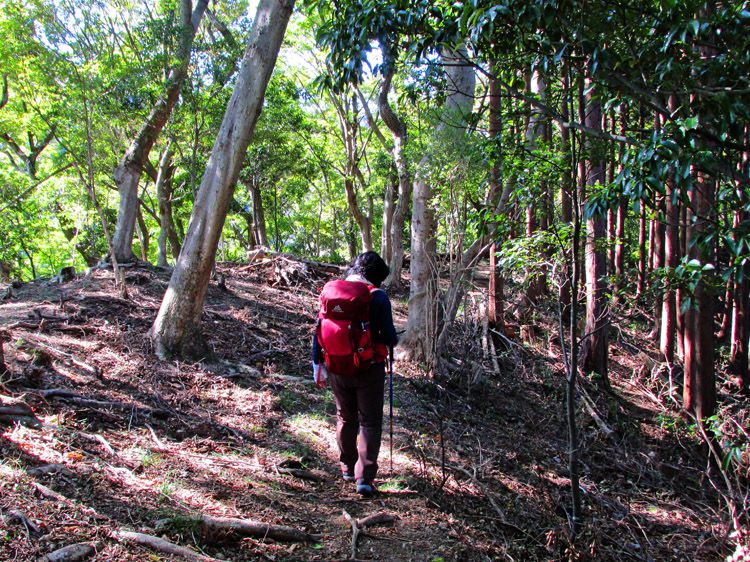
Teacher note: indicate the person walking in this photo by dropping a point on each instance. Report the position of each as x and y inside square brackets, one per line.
[359, 390]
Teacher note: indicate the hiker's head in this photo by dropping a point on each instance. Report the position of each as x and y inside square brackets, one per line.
[370, 266]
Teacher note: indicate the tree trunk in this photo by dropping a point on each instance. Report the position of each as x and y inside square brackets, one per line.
[259, 215]
[176, 330]
[671, 261]
[397, 127]
[566, 189]
[418, 343]
[657, 265]
[699, 390]
[127, 175]
[641, 250]
[144, 236]
[740, 335]
[594, 347]
[536, 129]
[167, 230]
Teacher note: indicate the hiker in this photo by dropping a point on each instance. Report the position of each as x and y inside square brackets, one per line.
[357, 375]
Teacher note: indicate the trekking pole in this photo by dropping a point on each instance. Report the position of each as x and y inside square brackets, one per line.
[390, 386]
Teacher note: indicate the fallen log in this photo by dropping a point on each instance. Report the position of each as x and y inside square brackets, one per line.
[71, 553]
[223, 526]
[161, 545]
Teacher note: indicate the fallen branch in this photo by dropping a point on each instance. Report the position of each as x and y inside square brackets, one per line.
[161, 545]
[71, 553]
[589, 404]
[79, 400]
[369, 521]
[49, 492]
[355, 533]
[302, 473]
[32, 529]
[377, 519]
[70, 357]
[245, 527]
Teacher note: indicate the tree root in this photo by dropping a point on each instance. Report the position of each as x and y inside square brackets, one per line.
[221, 526]
[71, 553]
[161, 545]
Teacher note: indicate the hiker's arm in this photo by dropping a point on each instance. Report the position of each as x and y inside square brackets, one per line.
[382, 318]
[315, 349]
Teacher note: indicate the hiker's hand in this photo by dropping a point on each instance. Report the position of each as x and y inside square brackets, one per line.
[320, 375]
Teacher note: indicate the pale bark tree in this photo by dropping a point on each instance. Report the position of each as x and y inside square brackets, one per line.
[347, 110]
[164, 191]
[127, 175]
[419, 340]
[536, 129]
[397, 127]
[176, 330]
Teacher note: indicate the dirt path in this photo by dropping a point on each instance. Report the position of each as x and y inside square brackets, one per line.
[479, 470]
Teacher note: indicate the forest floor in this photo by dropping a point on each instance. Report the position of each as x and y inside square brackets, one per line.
[126, 442]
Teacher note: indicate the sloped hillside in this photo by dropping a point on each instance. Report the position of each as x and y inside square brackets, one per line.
[115, 455]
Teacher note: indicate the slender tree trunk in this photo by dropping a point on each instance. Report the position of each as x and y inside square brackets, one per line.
[658, 264]
[259, 215]
[740, 336]
[671, 261]
[536, 128]
[167, 232]
[389, 208]
[419, 339]
[567, 188]
[176, 330]
[594, 348]
[127, 175]
[144, 236]
[641, 250]
[397, 127]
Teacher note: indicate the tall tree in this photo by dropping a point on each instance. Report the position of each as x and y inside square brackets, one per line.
[176, 330]
[595, 345]
[127, 175]
[419, 340]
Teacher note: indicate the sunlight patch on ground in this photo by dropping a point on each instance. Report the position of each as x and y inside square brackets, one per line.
[316, 430]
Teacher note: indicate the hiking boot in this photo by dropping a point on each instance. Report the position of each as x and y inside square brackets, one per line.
[365, 488]
[348, 476]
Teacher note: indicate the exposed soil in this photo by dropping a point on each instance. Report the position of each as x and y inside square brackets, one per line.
[479, 463]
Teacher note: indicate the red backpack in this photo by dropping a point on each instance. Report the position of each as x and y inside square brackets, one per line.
[344, 327]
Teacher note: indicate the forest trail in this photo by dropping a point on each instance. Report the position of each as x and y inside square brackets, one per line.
[131, 443]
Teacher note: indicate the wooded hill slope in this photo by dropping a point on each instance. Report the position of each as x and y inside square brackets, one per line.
[236, 460]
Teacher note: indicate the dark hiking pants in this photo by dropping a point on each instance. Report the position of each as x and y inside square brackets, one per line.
[359, 411]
